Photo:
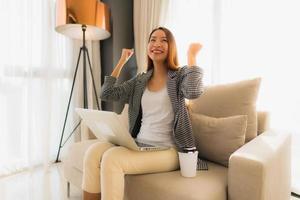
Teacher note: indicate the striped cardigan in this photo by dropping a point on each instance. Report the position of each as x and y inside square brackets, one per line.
[183, 83]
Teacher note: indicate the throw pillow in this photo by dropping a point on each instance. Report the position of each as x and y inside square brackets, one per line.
[228, 100]
[218, 138]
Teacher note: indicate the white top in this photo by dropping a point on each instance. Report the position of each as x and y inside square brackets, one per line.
[158, 118]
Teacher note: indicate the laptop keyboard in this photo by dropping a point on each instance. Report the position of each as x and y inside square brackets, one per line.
[140, 144]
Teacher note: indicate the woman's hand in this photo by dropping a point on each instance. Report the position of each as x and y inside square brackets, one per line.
[193, 50]
[126, 54]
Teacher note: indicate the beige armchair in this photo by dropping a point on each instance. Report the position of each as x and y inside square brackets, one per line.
[258, 170]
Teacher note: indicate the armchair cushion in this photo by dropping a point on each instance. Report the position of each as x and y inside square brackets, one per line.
[218, 138]
[230, 99]
[207, 185]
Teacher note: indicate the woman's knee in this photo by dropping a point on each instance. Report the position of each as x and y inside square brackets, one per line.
[111, 158]
[95, 152]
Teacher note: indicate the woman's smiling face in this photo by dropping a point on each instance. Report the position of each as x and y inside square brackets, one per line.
[158, 46]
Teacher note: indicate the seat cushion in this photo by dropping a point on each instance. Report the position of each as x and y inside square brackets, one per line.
[207, 185]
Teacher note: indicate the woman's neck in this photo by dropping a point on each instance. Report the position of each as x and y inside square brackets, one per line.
[159, 77]
[160, 70]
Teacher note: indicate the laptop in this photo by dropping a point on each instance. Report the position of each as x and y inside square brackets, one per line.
[109, 126]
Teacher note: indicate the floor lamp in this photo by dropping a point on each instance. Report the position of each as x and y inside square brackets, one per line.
[83, 20]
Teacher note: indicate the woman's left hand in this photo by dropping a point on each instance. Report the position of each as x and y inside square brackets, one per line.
[193, 50]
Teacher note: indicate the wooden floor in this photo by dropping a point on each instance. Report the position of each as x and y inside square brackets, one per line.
[40, 184]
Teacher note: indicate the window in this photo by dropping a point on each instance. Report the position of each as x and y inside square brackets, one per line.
[246, 39]
[35, 76]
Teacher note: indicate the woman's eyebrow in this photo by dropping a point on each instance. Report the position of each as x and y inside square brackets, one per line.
[160, 37]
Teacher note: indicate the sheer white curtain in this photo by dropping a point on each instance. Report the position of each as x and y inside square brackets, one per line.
[148, 14]
[36, 70]
[261, 38]
[191, 21]
[35, 74]
[245, 39]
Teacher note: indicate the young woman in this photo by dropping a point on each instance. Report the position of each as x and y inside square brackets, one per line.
[157, 113]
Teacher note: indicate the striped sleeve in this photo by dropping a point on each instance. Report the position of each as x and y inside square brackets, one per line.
[191, 84]
[116, 92]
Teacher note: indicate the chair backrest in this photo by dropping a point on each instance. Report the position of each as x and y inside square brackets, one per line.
[263, 123]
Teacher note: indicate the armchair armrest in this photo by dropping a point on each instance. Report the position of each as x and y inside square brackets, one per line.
[261, 169]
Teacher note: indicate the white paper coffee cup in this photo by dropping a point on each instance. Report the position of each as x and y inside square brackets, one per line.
[188, 163]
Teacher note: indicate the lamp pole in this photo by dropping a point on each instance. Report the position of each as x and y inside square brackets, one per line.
[85, 100]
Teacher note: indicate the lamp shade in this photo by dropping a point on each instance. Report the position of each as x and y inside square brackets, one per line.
[72, 14]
